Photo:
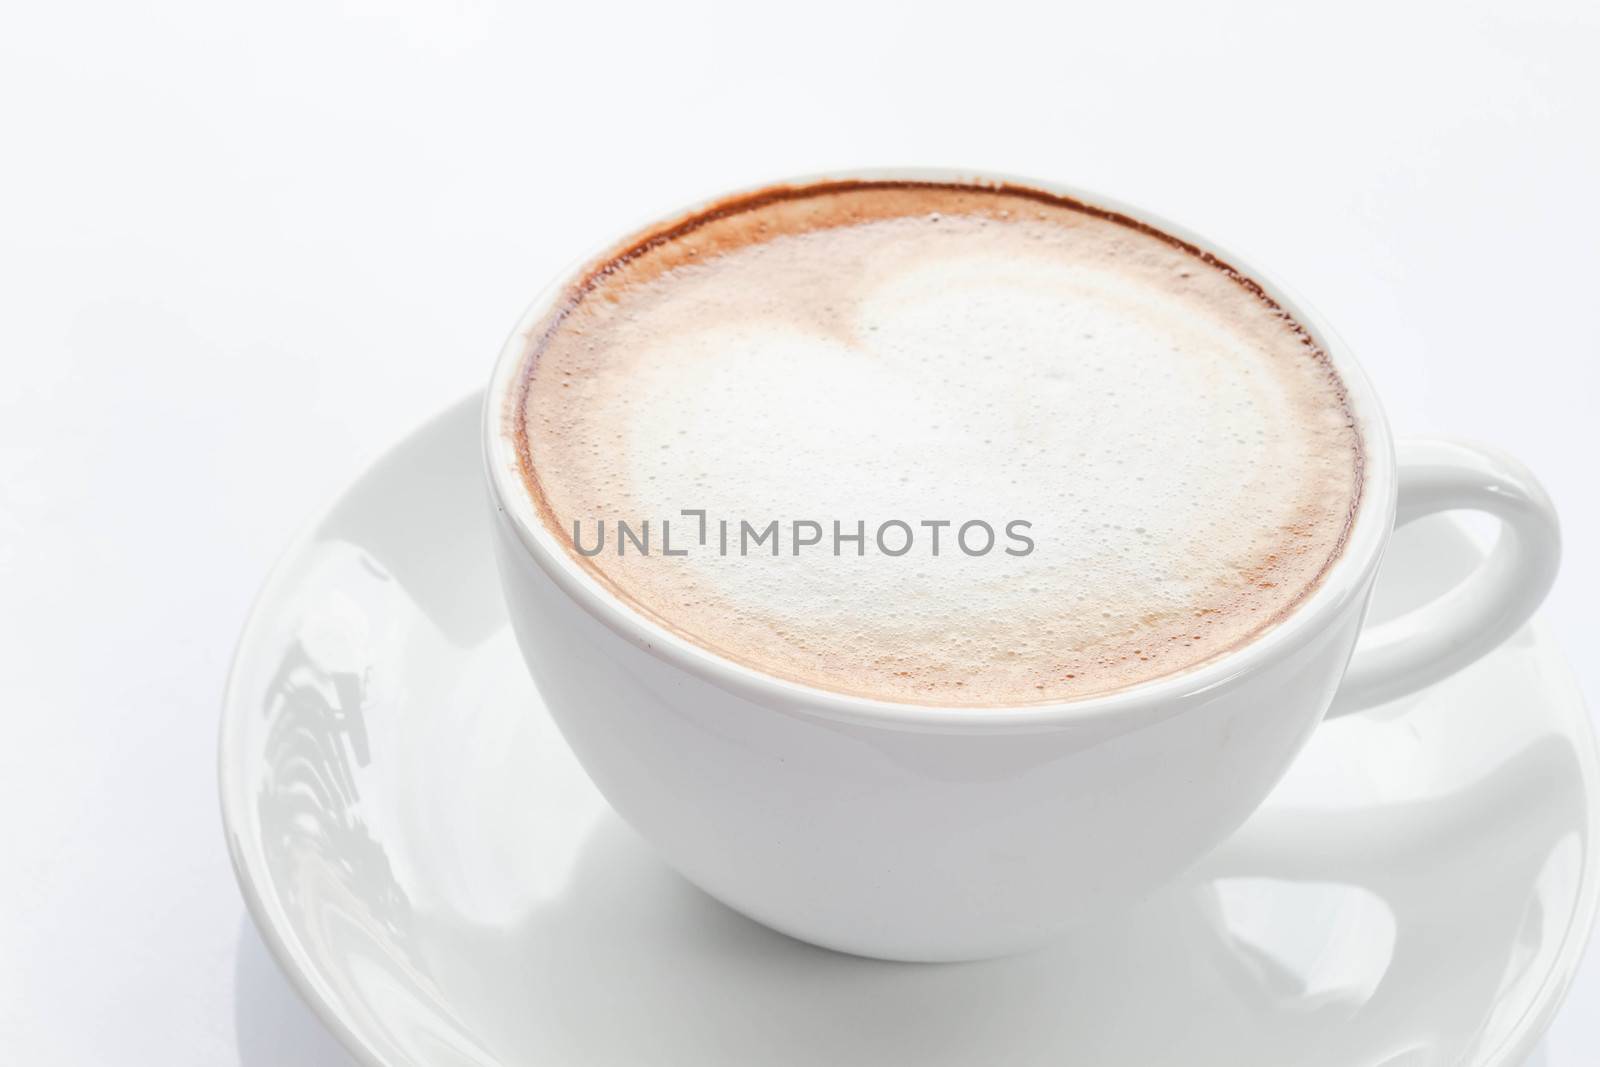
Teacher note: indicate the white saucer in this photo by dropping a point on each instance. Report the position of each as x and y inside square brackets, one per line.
[444, 886]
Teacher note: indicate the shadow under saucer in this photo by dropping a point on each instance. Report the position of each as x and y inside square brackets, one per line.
[274, 1027]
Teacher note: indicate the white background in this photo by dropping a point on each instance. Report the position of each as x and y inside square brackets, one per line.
[244, 249]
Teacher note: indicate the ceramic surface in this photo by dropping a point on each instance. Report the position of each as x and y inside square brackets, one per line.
[444, 885]
[911, 832]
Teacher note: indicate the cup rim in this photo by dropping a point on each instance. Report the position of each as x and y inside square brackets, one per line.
[1347, 579]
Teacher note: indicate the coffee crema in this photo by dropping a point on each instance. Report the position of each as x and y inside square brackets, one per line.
[1182, 451]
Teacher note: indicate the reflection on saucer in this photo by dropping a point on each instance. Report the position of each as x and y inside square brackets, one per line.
[340, 892]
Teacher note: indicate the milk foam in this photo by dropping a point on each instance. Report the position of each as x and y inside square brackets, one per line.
[1183, 453]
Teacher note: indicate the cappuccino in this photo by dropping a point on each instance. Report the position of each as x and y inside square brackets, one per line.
[865, 383]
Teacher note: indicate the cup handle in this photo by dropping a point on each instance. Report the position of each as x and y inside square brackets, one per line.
[1439, 638]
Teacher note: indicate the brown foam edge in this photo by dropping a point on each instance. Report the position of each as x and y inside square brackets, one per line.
[630, 249]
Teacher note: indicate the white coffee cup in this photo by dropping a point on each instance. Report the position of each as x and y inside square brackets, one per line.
[949, 833]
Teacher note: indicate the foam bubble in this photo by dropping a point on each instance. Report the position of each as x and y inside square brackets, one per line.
[1184, 456]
